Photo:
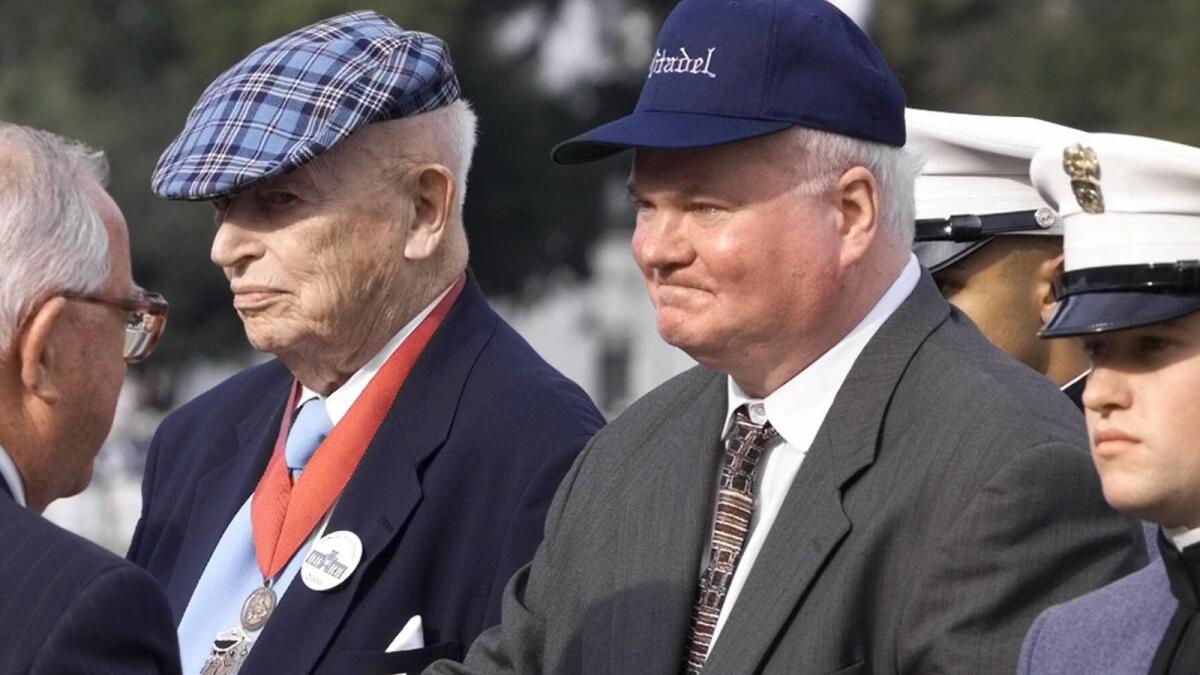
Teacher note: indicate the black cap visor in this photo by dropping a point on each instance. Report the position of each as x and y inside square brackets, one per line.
[936, 256]
[1102, 299]
[661, 129]
[1101, 312]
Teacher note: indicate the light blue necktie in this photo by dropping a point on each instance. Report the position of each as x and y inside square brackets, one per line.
[232, 572]
[311, 427]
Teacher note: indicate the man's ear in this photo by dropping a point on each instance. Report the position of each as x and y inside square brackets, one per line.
[434, 195]
[38, 355]
[1047, 271]
[856, 196]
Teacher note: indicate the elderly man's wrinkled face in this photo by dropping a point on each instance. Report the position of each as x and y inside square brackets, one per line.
[1143, 415]
[734, 253]
[308, 255]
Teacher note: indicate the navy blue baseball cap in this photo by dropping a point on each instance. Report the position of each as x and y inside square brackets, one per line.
[294, 98]
[728, 70]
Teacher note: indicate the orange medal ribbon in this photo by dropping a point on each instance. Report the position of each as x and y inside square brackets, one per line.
[282, 515]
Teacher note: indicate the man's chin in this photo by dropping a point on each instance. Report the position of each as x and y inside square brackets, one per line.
[694, 346]
[268, 342]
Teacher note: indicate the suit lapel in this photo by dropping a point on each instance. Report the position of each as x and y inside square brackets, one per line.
[226, 485]
[663, 534]
[811, 522]
[386, 486]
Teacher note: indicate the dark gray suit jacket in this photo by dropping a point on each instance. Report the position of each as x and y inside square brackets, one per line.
[1116, 629]
[946, 500]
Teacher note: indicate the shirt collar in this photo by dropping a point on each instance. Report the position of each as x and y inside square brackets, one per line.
[338, 403]
[798, 407]
[12, 477]
[1183, 536]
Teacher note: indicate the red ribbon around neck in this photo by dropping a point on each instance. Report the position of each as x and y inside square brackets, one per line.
[282, 515]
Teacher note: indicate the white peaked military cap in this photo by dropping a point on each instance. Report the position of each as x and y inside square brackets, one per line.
[974, 181]
[1131, 208]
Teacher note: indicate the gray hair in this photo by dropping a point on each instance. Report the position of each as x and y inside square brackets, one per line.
[52, 237]
[825, 156]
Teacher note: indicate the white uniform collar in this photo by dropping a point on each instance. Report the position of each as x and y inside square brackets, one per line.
[12, 477]
[798, 407]
[338, 403]
[1182, 536]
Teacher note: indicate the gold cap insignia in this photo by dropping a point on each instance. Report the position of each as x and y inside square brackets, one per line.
[1082, 165]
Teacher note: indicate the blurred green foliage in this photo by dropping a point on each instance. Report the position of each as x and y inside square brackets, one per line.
[122, 74]
[1125, 66]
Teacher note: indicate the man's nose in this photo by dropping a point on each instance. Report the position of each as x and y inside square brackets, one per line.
[660, 241]
[234, 244]
[1107, 389]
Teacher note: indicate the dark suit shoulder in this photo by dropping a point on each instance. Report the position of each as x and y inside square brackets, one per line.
[631, 443]
[668, 399]
[232, 397]
[976, 386]
[42, 538]
[522, 383]
[69, 606]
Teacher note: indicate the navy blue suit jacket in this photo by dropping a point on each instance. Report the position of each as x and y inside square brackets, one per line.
[448, 500]
[68, 606]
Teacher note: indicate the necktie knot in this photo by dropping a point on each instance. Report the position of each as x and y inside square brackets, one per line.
[311, 426]
[745, 443]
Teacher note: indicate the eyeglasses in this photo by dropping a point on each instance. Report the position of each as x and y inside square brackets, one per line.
[147, 317]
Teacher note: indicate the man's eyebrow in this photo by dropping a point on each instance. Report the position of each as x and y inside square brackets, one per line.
[688, 190]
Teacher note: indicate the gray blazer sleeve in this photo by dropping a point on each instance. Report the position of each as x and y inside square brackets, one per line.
[118, 623]
[1038, 533]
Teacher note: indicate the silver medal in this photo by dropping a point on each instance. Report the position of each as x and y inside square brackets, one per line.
[257, 608]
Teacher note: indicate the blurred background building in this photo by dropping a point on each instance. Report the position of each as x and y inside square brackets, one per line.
[549, 243]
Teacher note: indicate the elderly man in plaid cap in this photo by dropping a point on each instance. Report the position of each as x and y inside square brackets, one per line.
[357, 504]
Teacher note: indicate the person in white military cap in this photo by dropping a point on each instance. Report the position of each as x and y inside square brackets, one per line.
[1131, 294]
[992, 244]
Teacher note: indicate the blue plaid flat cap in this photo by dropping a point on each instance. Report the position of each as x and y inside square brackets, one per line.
[294, 98]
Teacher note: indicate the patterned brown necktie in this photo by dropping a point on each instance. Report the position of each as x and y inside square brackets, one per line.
[744, 447]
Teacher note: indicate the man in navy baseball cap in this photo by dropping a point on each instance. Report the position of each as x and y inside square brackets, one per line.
[355, 505]
[854, 479]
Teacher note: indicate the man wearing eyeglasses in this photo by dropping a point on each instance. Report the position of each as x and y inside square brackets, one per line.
[70, 319]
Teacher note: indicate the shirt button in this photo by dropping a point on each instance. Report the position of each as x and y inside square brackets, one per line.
[758, 413]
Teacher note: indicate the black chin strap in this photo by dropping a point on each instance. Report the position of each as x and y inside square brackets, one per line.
[972, 227]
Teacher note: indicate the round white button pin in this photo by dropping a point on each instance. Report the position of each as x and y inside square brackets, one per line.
[331, 560]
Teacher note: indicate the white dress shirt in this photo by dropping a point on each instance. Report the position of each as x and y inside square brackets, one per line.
[338, 403]
[796, 410]
[12, 477]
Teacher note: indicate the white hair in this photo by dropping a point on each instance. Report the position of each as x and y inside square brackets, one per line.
[825, 156]
[52, 237]
[454, 127]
